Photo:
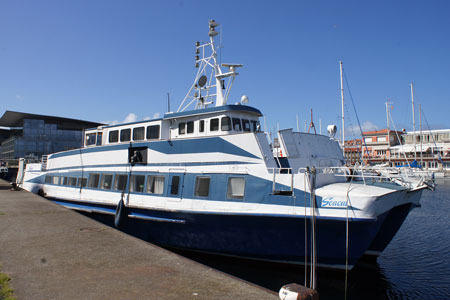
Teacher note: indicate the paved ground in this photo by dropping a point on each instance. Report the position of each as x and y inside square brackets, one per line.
[54, 253]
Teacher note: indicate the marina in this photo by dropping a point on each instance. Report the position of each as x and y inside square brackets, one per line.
[205, 178]
[149, 151]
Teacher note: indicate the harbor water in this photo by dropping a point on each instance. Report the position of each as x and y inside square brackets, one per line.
[415, 265]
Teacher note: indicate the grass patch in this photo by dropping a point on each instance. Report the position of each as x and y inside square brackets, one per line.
[6, 293]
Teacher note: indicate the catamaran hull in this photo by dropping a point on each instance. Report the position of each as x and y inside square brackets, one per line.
[392, 223]
[261, 237]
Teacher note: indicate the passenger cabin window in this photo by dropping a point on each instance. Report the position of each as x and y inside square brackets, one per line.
[125, 135]
[225, 124]
[236, 188]
[90, 139]
[138, 133]
[82, 181]
[93, 180]
[174, 185]
[65, 181]
[120, 182]
[237, 124]
[155, 184]
[106, 182]
[56, 180]
[190, 127]
[114, 136]
[182, 128]
[152, 132]
[48, 179]
[72, 181]
[255, 126]
[202, 186]
[99, 138]
[202, 126]
[246, 125]
[214, 124]
[137, 183]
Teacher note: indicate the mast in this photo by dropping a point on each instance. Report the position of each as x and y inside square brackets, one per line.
[388, 131]
[211, 85]
[420, 126]
[414, 121]
[342, 100]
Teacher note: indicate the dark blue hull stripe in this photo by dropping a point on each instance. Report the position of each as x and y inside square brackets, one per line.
[276, 238]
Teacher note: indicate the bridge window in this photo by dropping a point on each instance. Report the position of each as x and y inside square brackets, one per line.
[202, 186]
[255, 126]
[246, 124]
[152, 132]
[237, 124]
[138, 133]
[182, 128]
[125, 135]
[236, 188]
[214, 124]
[155, 184]
[225, 124]
[190, 127]
[114, 136]
[202, 126]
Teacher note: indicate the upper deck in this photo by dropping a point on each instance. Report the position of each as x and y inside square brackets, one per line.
[213, 121]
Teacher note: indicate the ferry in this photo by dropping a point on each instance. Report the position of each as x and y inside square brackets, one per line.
[205, 178]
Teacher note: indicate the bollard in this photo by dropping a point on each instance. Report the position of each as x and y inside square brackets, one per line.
[295, 291]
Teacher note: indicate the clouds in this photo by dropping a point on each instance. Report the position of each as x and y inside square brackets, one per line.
[354, 131]
[130, 118]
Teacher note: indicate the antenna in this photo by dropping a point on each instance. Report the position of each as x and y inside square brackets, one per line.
[168, 102]
[211, 84]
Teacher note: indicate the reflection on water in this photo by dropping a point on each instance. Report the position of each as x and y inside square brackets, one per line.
[415, 265]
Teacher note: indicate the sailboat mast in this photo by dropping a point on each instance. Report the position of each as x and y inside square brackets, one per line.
[342, 104]
[388, 132]
[414, 121]
[420, 126]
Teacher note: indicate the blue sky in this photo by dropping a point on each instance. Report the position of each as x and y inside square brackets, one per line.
[109, 60]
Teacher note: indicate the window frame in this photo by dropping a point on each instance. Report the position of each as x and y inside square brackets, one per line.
[214, 124]
[136, 133]
[229, 194]
[113, 136]
[198, 189]
[125, 135]
[152, 184]
[151, 130]
[223, 127]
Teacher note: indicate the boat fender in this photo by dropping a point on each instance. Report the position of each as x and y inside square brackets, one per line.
[121, 215]
[41, 193]
[294, 291]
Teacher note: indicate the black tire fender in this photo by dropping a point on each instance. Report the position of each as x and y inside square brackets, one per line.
[121, 216]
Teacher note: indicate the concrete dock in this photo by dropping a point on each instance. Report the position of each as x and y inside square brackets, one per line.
[50, 252]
